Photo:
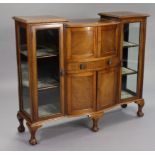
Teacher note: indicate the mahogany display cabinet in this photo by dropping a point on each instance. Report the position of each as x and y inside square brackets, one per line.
[78, 67]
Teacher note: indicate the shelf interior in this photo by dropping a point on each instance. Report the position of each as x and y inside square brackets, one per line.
[42, 51]
[127, 71]
[46, 110]
[129, 44]
[48, 102]
[43, 81]
[126, 94]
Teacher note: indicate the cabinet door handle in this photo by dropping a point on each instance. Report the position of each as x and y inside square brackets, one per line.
[82, 66]
[109, 62]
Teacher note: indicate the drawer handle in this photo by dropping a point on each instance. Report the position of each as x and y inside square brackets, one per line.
[82, 66]
[109, 62]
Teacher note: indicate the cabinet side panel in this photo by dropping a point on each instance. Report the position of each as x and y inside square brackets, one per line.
[141, 58]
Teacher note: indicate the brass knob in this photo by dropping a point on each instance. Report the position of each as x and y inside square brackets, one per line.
[82, 66]
[109, 62]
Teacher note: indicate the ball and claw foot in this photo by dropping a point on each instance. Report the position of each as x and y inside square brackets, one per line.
[33, 141]
[95, 119]
[33, 129]
[140, 114]
[95, 127]
[21, 127]
[140, 107]
[124, 105]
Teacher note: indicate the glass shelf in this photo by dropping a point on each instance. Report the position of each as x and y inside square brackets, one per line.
[48, 101]
[42, 51]
[129, 44]
[48, 109]
[127, 71]
[125, 94]
[45, 107]
[43, 83]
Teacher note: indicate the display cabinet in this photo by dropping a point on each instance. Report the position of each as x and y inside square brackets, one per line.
[78, 67]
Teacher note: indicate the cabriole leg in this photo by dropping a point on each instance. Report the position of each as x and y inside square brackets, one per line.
[140, 104]
[21, 127]
[95, 127]
[95, 118]
[33, 129]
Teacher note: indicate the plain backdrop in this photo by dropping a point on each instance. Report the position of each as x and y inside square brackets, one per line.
[120, 129]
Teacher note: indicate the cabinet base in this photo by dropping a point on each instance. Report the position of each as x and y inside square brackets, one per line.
[95, 117]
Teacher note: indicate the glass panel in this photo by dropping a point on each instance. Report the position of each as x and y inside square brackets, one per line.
[47, 48]
[130, 60]
[24, 70]
[129, 87]
[131, 34]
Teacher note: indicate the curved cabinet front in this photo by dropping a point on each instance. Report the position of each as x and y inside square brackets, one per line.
[92, 67]
[81, 42]
[107, 93]
[108, 40]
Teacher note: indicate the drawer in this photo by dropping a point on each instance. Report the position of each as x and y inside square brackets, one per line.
[97, 64]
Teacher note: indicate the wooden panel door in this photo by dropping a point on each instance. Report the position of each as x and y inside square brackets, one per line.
[107, 88]
[81, 42]
[81, 92]
[108, 38]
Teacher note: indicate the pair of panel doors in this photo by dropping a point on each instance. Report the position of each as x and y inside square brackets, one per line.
[92, 76]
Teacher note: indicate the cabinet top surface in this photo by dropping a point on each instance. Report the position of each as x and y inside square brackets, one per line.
[123, 14]
[89, 22]
[39, 19]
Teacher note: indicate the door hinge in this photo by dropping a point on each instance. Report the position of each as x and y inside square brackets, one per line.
[62, 72]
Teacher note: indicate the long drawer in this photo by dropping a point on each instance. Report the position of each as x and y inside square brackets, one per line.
[91, 65]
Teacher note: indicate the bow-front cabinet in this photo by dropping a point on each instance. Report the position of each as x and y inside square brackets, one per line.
[78, 67]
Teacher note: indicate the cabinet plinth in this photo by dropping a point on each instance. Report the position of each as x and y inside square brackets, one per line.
[78, 67]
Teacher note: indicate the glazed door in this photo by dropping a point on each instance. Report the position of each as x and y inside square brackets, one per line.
[81, 92]
[107, 90]
[47, 59]
[132, 60]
